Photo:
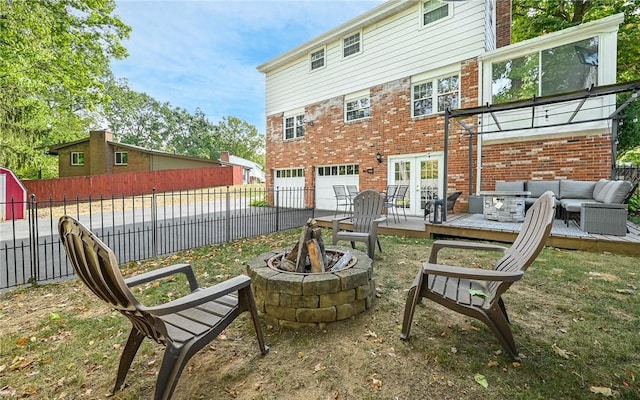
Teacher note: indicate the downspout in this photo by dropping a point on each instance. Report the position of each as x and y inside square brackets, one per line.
[445, 183]
[479, 130]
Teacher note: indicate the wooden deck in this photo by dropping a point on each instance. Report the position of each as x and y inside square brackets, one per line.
[473, 226]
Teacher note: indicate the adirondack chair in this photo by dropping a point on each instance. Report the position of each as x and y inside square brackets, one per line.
[183, 326]
[367, 210]
[342, 198]
[454, 287]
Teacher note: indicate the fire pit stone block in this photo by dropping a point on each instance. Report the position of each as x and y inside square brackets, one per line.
[295, 300]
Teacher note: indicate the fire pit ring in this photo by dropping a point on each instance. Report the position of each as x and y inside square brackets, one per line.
[299, 300]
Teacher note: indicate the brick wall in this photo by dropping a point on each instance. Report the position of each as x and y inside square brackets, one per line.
[568, 157]
[131, 183]
[64, 161]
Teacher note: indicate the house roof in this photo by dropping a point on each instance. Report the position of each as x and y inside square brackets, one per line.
[385, 10]
[54, 150]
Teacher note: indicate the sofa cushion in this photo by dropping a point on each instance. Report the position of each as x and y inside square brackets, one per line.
[538, 187]
[510, 186]
[598, 191]
[576, 189]
[617, 192]
[574, 205]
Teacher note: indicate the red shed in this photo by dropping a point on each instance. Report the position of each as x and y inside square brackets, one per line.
[11, 188]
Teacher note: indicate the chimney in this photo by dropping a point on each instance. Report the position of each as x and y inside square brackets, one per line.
[503, 23]
[224, 156]
[100, 157]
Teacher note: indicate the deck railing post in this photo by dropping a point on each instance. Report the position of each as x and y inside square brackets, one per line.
[228, 216]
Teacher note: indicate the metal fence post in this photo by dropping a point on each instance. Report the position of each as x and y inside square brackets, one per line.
[277, 202]
[227, 230]
[154, 223]
[33, 240]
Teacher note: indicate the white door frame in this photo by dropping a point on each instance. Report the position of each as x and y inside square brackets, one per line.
[417, 186]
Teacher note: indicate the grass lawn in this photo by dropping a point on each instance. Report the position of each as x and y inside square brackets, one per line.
[575, 318]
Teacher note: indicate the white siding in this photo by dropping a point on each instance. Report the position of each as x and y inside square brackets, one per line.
[393, 48]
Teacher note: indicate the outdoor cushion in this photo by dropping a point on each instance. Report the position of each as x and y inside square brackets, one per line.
[576, 189]
[510, 186]
[618, 192]
[574, 205]
[538, 187]
[599, 191]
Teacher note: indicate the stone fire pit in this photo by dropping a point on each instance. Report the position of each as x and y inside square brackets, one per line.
[299, 300]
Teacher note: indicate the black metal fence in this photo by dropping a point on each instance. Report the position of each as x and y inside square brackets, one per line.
[628, 173]
[143, 226]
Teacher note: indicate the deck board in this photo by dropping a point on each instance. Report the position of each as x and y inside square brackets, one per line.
[473, 226]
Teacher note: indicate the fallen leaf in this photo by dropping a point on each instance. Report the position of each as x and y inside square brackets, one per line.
[516, 364]
[605, 391]
[625, 291]
[318, 367]
[492, 363]
[482, 380]
[54, 316]
[454, 350]
[371, 334]
[561, 352]
[476, 292]
[376, 383]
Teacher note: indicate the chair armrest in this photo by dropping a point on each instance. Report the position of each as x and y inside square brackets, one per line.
[164, 272]
[380, 219]
[441, 244]
[472, 273]
[200, 296]
[605, 205]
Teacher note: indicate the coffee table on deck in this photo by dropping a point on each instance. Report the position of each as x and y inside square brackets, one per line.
[504, 206]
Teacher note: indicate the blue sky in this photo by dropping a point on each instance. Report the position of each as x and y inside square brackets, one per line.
[205, 53]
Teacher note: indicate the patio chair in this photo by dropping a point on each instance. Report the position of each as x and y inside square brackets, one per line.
[342, 198]
[476, 292]
[352, 190]
[451, 200]
[399, 202]
[389, 199]
[183, 326]
[367, 210]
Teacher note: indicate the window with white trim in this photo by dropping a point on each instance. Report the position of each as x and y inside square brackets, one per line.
[77, 158]
[293, 126]
[351, 45]
[357, 107]
[435, 95]
[121, 158]
[290, 173]
[316, 59]
[336, 170]
[433, 10]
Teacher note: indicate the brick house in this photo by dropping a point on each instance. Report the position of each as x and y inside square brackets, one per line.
[99, 154]
[363, 103]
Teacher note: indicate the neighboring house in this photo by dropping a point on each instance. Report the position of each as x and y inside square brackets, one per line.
[363, 103]
[99, 154]
[253, 172]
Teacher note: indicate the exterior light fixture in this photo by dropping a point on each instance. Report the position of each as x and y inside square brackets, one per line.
[379, 157]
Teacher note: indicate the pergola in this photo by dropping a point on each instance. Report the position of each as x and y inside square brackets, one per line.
[579, 97]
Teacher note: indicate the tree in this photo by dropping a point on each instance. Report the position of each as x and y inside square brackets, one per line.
[53, 56]
[532, 18]
[240, 139]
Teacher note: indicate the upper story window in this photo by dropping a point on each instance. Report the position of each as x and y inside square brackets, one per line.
[77, 158]
[293, 126]
[435, 95]
[433, 10]
[316, 59]
[561, 69]
[122, 158]
[351, 45]
[357, 106]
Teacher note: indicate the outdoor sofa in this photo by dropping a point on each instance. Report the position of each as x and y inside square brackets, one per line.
[601, 206]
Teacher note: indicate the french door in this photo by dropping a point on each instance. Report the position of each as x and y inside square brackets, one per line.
[422, 173]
